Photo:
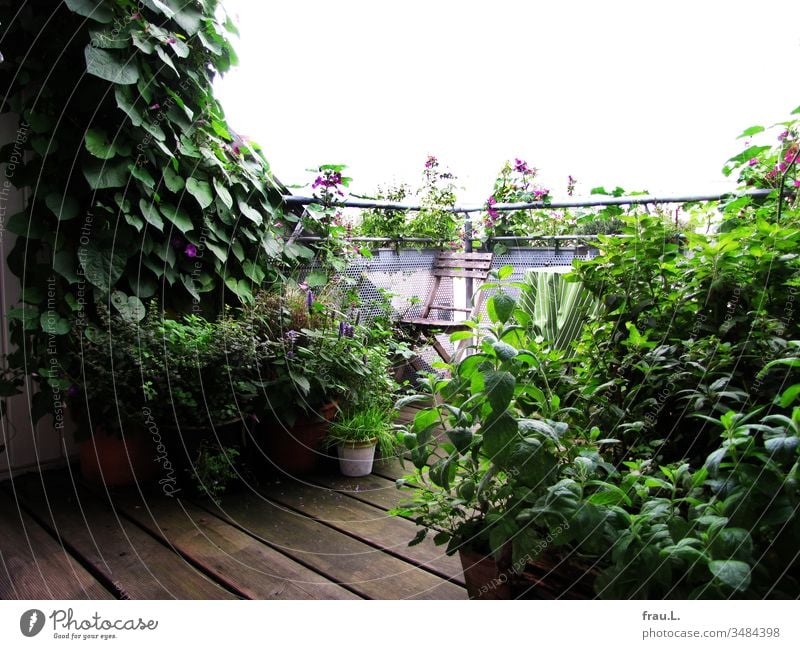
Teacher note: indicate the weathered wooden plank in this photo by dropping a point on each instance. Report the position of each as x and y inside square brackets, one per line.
[367, 571]
[236, 559]
[369, 524]
[133, 561]
[34, 566]
[371, 489]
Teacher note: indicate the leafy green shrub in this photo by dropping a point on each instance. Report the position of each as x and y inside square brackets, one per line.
[214, 469]
[664, 447]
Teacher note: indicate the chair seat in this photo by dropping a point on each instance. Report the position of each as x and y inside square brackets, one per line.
[427, 323]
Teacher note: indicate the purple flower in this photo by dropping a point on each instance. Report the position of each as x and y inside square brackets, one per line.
[783, 136]
[292, 336]
[349, 331]
[303, 286]
[310, 299]
[540, 193]
[493, 213]
[155, 106]
[136, 16]
[431, 162]
[328, 179]
[172, 41]
[177, 242]
[753, 162]
[571, 182]
[520, 166]
[797, 183]
[190, 250]
[72, 390]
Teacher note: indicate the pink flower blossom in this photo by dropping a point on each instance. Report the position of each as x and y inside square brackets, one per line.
[797, 183]
[753, 162]
[190, 250]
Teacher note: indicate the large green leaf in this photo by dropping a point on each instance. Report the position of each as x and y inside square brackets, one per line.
[95, 9]
[177, 217]
[499, 433]
[201, 190]
[499, 387]
[127, 105]
[223, 193]
[250, 213]
[104, 175]
[734, 574]
[141, 174]
[172, 180]
[64, 207]
[130, 308]
[98, 145]
[104, 64]
[64, 263]
[189, 19]
[53, 323]
[253, 271]
[103, 262]
[500, 307]
[150, 214]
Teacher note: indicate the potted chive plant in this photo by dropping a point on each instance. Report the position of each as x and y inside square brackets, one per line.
[357, 435]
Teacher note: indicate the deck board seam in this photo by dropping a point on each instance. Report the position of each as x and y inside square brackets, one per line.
[372, 544]
[67, 548]
[278, 548]
[163, 541]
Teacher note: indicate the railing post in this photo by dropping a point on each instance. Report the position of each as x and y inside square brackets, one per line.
[468, 288]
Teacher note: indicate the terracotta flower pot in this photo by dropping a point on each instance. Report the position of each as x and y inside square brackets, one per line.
[484, 577]
[297, 450]
[356, 459]
[117, 461]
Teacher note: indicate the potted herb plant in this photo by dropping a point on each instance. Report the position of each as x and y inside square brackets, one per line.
[490, 445]
[358, 434]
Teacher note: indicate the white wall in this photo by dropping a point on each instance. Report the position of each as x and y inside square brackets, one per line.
[28, 447]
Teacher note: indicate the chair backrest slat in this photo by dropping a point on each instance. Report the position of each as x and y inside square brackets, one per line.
[460, 272]
[463, 264]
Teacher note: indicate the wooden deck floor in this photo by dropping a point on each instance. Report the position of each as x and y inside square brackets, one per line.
[323, 538]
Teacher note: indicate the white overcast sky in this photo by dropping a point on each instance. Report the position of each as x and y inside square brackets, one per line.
[643, 94]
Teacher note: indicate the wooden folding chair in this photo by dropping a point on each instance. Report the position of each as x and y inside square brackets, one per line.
[474, 265]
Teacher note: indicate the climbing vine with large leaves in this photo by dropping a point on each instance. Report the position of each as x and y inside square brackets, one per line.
[137, 186]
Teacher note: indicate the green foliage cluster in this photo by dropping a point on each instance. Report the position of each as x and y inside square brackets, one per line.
[435, 221]
[663, 446]
[188, 375]
[139, 188]
[316, 351]
[214, 469]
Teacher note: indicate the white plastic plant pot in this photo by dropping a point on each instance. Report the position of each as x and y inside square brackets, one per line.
[356, 459]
